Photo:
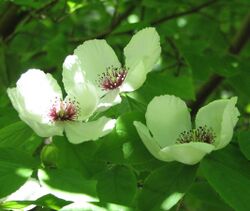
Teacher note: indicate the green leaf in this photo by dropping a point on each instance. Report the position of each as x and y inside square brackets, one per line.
[159, 83]
[117, 185]
[110, 149]
[199, 64]
[165, 186]
[124, 146]
[48, 201]
[244, 142]
[228, 172]
[203, 192]
[12, 116]
[240, 82]
[67, 184]
[134, 151]
[15, 168]
[80, 157]
[51, 201]
[20, 136]
[15, 205]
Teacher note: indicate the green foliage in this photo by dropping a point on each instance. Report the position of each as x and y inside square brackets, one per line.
[244, 143]
[199, 41]
[206, 197]
[228, 173]
[23, 138]
[118, 185]
[166, 186]
[181, 86]
[67, 184]
[48, 201]
[15, 168]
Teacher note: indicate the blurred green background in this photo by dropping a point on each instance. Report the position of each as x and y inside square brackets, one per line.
[198, 39]
[205, 54]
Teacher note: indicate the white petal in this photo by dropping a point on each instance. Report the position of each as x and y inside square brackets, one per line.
[230, 117]
[18, 102]
[78, 88]
[37, 91]
[167, 116]
[110, 99]
[188, 153]
[43, 129]
[72, 73]
[221, 116]
[143, 47]
[95, 56]
[150, 143]
[26, 108]
[134, 79]
[78, 132]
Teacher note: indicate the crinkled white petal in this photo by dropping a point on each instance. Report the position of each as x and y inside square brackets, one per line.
[78, 132]
[167, 116]
[150, 143]
[78, 88]
[134, 79]
[143, 47]
[22, 101]
[37, 91]
[72, 73]
[230, 117]
[187, 153]
[221, 116]
[18, 102]
[43, 129]
[110, 99]
[95, 56]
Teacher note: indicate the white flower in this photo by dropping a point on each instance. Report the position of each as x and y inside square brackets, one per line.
[39, 102]
[101, 67]
[173, 138]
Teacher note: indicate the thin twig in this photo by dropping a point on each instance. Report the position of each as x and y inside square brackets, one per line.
[114, 24]
[23, 17]
[188, 12]
[40, 10]
[179, 59]
[176, 15]
[10, 19]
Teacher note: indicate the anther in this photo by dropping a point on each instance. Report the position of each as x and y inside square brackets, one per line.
[63, 110]
[112, 78]
[201, 134]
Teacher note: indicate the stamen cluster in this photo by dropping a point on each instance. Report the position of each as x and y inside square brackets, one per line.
[201, 134]
[64, 110]
[112, 78]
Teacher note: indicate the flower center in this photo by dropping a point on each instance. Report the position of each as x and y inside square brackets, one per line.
[64, 110]
[201, 134]
[112, 78]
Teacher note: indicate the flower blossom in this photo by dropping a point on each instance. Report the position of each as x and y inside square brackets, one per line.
[169, 135]
[101, 67]
[39, 102]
